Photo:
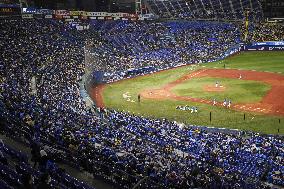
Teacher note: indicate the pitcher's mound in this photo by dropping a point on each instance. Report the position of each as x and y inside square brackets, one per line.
[213, 88]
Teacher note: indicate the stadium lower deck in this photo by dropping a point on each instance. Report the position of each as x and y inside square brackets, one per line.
[115, 146]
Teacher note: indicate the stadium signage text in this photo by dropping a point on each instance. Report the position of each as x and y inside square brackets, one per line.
[66, 14]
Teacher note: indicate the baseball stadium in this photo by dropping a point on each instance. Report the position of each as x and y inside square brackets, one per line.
[142, 94]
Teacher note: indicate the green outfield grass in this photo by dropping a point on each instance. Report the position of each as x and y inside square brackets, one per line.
[260, 61]
[233, 89]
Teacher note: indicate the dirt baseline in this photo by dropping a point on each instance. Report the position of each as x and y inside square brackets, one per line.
[272, 102]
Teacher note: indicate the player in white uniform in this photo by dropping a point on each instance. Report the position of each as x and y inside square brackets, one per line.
[229, 104]
[225, 102]
[214, 102]
[217, 84]
[193, 109]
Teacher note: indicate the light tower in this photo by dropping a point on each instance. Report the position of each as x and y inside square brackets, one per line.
[140, 7]
[247, 11]
[138, 4]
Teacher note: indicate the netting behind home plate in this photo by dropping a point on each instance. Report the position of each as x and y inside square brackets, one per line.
[88, 59]
[95, 65]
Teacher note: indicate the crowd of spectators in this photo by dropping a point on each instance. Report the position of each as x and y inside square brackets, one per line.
[122, 147]
[160, 45]
[266, 32]
[16, 172]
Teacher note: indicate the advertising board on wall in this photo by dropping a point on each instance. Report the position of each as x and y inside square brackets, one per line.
[264, 46]
[66, 14]
[48, 16]
[27, 16]
[62, 12]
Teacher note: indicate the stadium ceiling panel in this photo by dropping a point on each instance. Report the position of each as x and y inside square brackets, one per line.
[206, 9]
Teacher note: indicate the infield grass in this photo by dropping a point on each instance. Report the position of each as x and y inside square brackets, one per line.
[221, 117]
[251, 91]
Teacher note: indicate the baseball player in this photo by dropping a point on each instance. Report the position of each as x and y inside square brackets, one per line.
[186, 108]
[139, 97]
[240, 77]
[217, 84]
[193, 109]
[214, 102]
[225, 102]
[229, 104]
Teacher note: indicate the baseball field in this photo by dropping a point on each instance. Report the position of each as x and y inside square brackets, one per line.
[251, 84]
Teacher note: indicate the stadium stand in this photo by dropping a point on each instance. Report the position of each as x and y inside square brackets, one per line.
[16, 172]
[266, 32]
[161, 45]
[117, 146]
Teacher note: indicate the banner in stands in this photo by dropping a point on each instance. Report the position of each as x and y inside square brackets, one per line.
[96, 14]
[29, 10]
[9, 10]
[62, 12]
[48, 16]
[27, 16]
[79, 27]
[10, 7]
[146, 17]
[45, 11]
[77, 13]
[110, 16]
[66, 14]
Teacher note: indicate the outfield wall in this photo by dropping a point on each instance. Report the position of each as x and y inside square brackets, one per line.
[255, 46]
[265, 46]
